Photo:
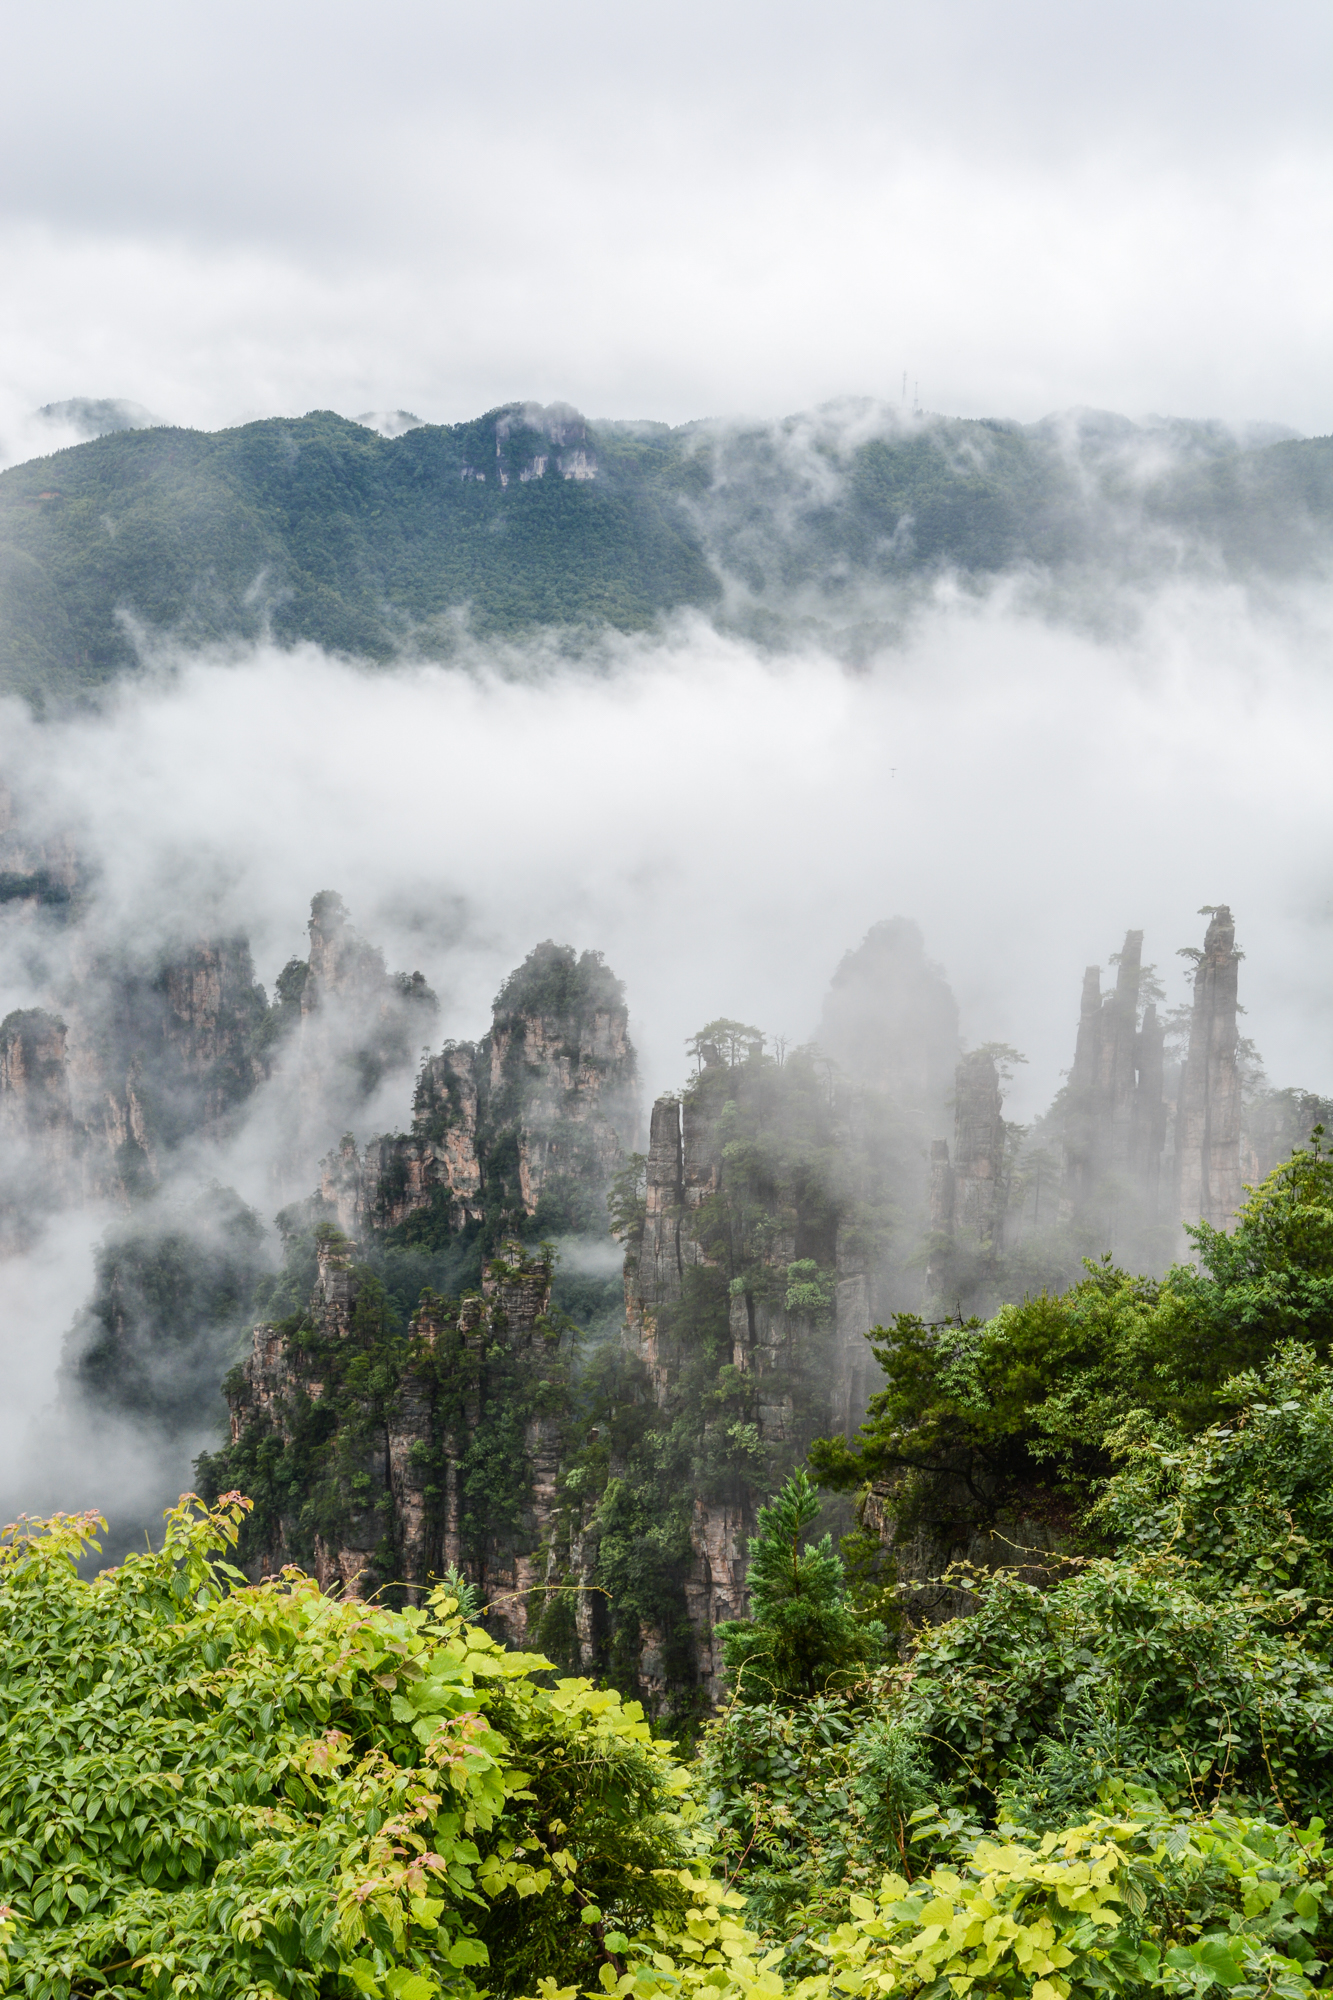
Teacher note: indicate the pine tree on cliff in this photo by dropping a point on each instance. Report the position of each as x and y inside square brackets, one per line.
[804, 1638]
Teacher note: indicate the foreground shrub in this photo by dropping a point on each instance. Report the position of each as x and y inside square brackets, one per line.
[213, 1788]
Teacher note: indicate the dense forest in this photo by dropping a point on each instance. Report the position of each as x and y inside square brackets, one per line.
[532, 520]
[1107, 1774]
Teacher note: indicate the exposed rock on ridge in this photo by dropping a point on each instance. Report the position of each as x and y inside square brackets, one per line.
[530, 1124]
[142, 1058]
[394, 1498]
[1208, 1116]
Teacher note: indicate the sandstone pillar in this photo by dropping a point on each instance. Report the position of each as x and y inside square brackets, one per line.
[1208, 1113]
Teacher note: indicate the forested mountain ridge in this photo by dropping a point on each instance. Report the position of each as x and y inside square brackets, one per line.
[320, 529]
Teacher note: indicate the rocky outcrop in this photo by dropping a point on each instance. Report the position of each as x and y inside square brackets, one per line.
[1115, 1113]
[40, 1142]
[532, 440]
[352, 1024]
[394, 1466]
[143, 1059]
[148, 1057]
[1208, 1112]
[683, 1171]
[530, 1124]
[1114, 1121]
[1275, 1123]
[797, 1305]
[890, 1020]
[968, 1194]
[978, 1155]
[34, 1082]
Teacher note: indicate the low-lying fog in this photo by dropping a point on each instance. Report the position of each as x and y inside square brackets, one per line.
[721, 824]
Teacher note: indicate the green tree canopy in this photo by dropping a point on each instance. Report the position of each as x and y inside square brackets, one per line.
[978, 1414]
[219, 1789]
[804, 1637]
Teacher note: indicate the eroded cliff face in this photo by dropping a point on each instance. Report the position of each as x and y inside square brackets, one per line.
[755, 1268]
[1208, 1113]
[968, 1193]
[1115, 1117]
[40, 1143]
[1135, 1145]
[527, 1127]
[763, 1343]
[1118, 1116]
[142, 1058]
[1275, 1123]
[402, 1454]
[608, 1519]
[377, 1439]
[138, 1060]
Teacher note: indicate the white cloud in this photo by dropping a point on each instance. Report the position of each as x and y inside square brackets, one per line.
[712, 211]
[723, 826]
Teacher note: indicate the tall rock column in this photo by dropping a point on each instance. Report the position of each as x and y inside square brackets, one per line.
[967, 1196]
[445, 1455]
[1115, 1114]
[1147, 1127]
[1082, 1134]
[724, 1244]
[978, 1154]
[942, 1194]
[39, 1167]
[530, 1124]
[655, 1264]
[1208, 1115]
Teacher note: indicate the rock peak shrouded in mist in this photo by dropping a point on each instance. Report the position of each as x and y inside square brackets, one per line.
[89, 417]
[505, 1338]
[890, 1019]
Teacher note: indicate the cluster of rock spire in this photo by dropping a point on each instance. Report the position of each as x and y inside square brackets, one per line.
[1144, 1142]
[775, 1273]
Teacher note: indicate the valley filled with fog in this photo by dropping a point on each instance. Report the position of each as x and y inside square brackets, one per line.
[722, 822]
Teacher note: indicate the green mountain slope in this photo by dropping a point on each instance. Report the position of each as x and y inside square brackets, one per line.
[320, 529]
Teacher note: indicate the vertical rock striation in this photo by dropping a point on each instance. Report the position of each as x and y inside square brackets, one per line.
[751, 1278]
[149, 1057]
[978, 1154]
[1115, 1114]
[39, 1139]
[763, 1345]
[1208, 1113]
[378, 1440]
[527, 1126]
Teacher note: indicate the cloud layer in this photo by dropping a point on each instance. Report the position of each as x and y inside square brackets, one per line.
[722, 825]
[667, 214]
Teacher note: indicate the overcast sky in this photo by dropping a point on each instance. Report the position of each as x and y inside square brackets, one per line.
[671, 211]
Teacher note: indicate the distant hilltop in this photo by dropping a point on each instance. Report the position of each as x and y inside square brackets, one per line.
[96, 416]
[389, 538]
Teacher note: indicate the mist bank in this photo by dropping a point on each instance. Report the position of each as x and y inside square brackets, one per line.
[391, 540]
[722, 824]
